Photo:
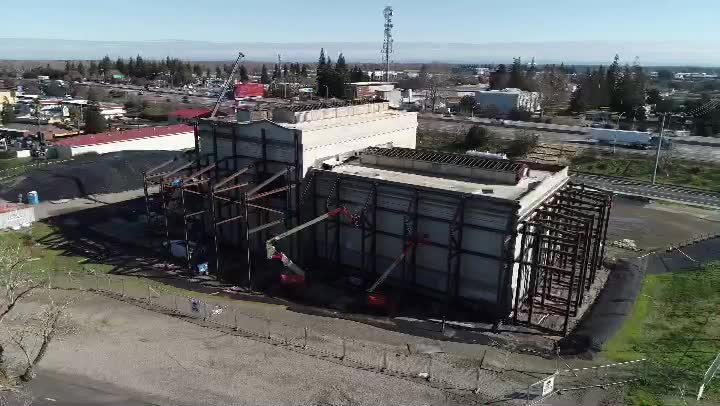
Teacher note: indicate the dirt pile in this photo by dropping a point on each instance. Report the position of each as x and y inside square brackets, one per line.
[107, 173]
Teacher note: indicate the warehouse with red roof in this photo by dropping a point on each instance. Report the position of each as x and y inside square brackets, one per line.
[171, 138]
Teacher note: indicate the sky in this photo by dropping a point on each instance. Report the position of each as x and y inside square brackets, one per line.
[416, 21]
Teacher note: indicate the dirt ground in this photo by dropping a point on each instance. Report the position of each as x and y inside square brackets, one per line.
[131, 353]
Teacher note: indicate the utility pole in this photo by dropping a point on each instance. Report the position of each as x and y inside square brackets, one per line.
[659, 146]
[388, 42]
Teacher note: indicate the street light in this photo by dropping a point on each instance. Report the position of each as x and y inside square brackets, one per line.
[327, 92]
[615, 136]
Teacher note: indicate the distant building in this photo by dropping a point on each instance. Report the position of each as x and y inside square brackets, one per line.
[507, 100]
[171, 138]
[367, 90]
[188, 115]
[9, 94]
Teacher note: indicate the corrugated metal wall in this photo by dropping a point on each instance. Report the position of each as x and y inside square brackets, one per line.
[476, 230]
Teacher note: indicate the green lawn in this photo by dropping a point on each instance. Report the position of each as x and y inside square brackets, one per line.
[44, 259]
[676, 172]
[676, 326]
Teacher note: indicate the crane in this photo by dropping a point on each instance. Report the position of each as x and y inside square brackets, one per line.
[226, 84]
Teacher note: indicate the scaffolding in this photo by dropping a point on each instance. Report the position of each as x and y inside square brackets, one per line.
[215, 205]
[561, 249]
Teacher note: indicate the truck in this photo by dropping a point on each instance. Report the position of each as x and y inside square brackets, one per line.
[627, 139]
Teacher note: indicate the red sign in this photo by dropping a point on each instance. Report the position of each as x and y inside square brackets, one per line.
[244, 90]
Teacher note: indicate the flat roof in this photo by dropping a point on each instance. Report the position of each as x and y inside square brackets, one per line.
[460, 185]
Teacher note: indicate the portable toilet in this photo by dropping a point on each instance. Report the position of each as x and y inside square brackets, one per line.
[33, 198]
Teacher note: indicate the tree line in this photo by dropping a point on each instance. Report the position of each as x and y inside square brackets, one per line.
[331, 80]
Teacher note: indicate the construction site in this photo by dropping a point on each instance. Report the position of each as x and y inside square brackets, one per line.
[332, 205]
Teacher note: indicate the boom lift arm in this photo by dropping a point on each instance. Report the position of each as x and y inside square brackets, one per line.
[274, 253]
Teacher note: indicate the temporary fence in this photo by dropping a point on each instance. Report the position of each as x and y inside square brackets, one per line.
[493, 377]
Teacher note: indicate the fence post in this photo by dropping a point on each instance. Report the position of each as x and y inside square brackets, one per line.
[477, 383]
[429, 368]
[268, 329]
[305, 342]
[97, 282]
[175, 303]
[384, 361]
[235, 315]
[343, 350]
[148, 289]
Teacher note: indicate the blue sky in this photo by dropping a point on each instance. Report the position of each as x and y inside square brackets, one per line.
[283, 21]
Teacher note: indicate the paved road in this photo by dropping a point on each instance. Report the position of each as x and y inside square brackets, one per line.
[574, 135]
[646, 189]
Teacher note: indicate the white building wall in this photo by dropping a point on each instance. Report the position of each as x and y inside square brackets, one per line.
[173, 142]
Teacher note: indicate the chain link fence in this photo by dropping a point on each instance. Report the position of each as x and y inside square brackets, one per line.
[493, 377]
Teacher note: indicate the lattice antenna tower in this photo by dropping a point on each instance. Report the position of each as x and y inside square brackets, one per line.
[388, 42]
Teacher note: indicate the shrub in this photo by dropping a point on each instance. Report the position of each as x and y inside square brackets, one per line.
[477, 137]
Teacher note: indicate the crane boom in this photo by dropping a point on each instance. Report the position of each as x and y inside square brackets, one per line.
[226, 84]
[392, 266]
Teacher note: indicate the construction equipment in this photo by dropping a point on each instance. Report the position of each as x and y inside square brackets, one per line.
[226, 84]
[274, 253]
[378, 300]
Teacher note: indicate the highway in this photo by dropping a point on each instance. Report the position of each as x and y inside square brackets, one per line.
[688, 148]
[646, 189]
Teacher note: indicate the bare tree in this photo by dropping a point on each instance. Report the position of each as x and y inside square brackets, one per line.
[432, 91]
[30, 332]
[553, 88]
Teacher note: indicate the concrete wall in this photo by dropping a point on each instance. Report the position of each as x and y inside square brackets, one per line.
[173, 142]
[17, 218]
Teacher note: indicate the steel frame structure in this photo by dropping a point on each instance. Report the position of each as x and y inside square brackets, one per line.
[219, 191]
[562, 247]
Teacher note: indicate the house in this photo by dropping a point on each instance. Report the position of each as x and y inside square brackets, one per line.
[9, 94]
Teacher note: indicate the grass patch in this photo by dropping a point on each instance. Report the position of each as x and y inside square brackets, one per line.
[11, 163]
[675, 326]
[44, 259]
[676, 172]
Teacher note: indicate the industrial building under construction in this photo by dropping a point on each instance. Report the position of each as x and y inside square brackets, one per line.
[339, 195]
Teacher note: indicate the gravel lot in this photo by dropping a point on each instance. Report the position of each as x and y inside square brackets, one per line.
[122, 348]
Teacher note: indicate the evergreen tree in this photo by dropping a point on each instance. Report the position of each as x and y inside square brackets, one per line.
[285, 71]
[243, 74]
[93, 69]
[264, 78]
[218, 72]
[81, 68]
[499, 79]
[8, 112]
[517, 75]
[94, 121]
[304, 71]
[197, 70]
[120, 65]
[207, 72]
[276, 72]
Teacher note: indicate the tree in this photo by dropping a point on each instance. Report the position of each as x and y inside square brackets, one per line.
[304, 71]
[243, 74]
[30, 331]
[500, 78]
[197, 70]
[8, 112]
[523, 145]
[478, 138]
[517, 78]
[653, 96]
[93, 69]
[277, 72]
[285, 73]
[356, 74]
[94, 121]
[665, 74]
[81, 68]
[467, 103]
[218, 72]
[264, 77]
[552, 87]
[432, 92]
